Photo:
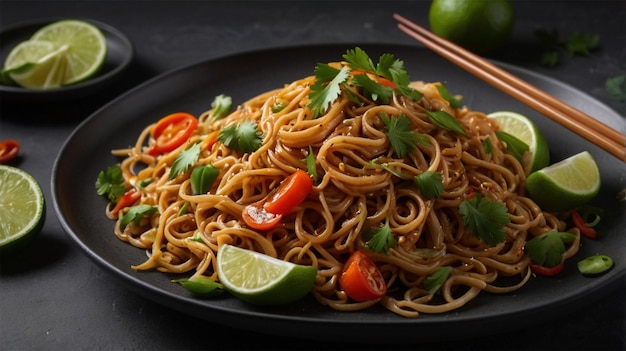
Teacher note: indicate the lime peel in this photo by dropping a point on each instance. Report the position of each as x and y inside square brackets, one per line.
[62, 53]
[527, 131]
[260, 279]
[566, 184]
[22, 208]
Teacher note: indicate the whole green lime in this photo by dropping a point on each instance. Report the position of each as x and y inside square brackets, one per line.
[477, 25]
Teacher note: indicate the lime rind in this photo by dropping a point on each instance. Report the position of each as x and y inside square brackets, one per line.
[22, 208]
[62, 53]
[260, 279]
[527, 131]
[86, 43]
[565, 185]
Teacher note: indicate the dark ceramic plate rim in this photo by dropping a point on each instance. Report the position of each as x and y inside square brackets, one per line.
[113, 36]
[487, 314]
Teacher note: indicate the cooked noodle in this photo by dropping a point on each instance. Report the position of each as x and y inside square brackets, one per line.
[349, 196]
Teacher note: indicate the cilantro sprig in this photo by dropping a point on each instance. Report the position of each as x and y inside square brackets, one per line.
[243, 136]
[185, 160]
[380, 239]
[578, 43]
[429, 184]
[330, 82]
[401, 136]
[485, 218]
[547, 249]
[110, 183]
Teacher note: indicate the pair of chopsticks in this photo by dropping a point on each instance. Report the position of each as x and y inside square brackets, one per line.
[607, 138]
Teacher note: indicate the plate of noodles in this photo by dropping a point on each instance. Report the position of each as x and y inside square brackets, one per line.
[326, 227]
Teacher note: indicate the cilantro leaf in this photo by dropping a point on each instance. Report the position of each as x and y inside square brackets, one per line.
[110, 183]
[547, 249]
[429, 183]
[221, 106]
[446, 121]
[513, 145]
[616, 87]
[485, 218]
[358, 59]
[244, 136]
[380, 239]
[433, 282]
[327, 87]
[184, 160]
[581, 43]
[136, 213]
[390, 67]
[376, 91]
[401, 136]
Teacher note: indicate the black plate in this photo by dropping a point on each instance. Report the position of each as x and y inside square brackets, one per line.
[192, 88]
[120, 53]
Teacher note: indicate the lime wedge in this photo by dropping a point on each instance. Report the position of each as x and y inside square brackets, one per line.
[22, 207]
[525, 130]
[566, 184]
[62, 53]
[260, 279]
[37, 64]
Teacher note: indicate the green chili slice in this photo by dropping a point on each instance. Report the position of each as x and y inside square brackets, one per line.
[595, 264]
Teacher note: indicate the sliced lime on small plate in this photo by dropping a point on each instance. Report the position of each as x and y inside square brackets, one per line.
[22, 208]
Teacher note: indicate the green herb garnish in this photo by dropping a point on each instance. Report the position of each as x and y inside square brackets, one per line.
[429, 184]
[547, 249]
[244, 136]
[401, 136]
[110, 183]
[380, 239]
[485, 218]
[136, 213]
[444, 120]
[221, 107]
[184, 160]
[433, 282]
[514, 146]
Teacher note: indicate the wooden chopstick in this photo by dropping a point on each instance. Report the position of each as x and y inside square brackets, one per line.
[575, 120]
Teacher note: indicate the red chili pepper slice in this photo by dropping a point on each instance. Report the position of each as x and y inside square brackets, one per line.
[8, 150]
[361, 279]
[381, 80]
[582, 226]
[128, 199]
[547, 271]
[172, 131]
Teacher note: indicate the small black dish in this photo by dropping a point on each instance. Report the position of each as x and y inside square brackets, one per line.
[120, 53]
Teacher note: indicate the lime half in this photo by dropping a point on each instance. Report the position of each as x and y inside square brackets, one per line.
[525, 130]
[22, 207]
[566, 184]
[61, 53]
[260, 279]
